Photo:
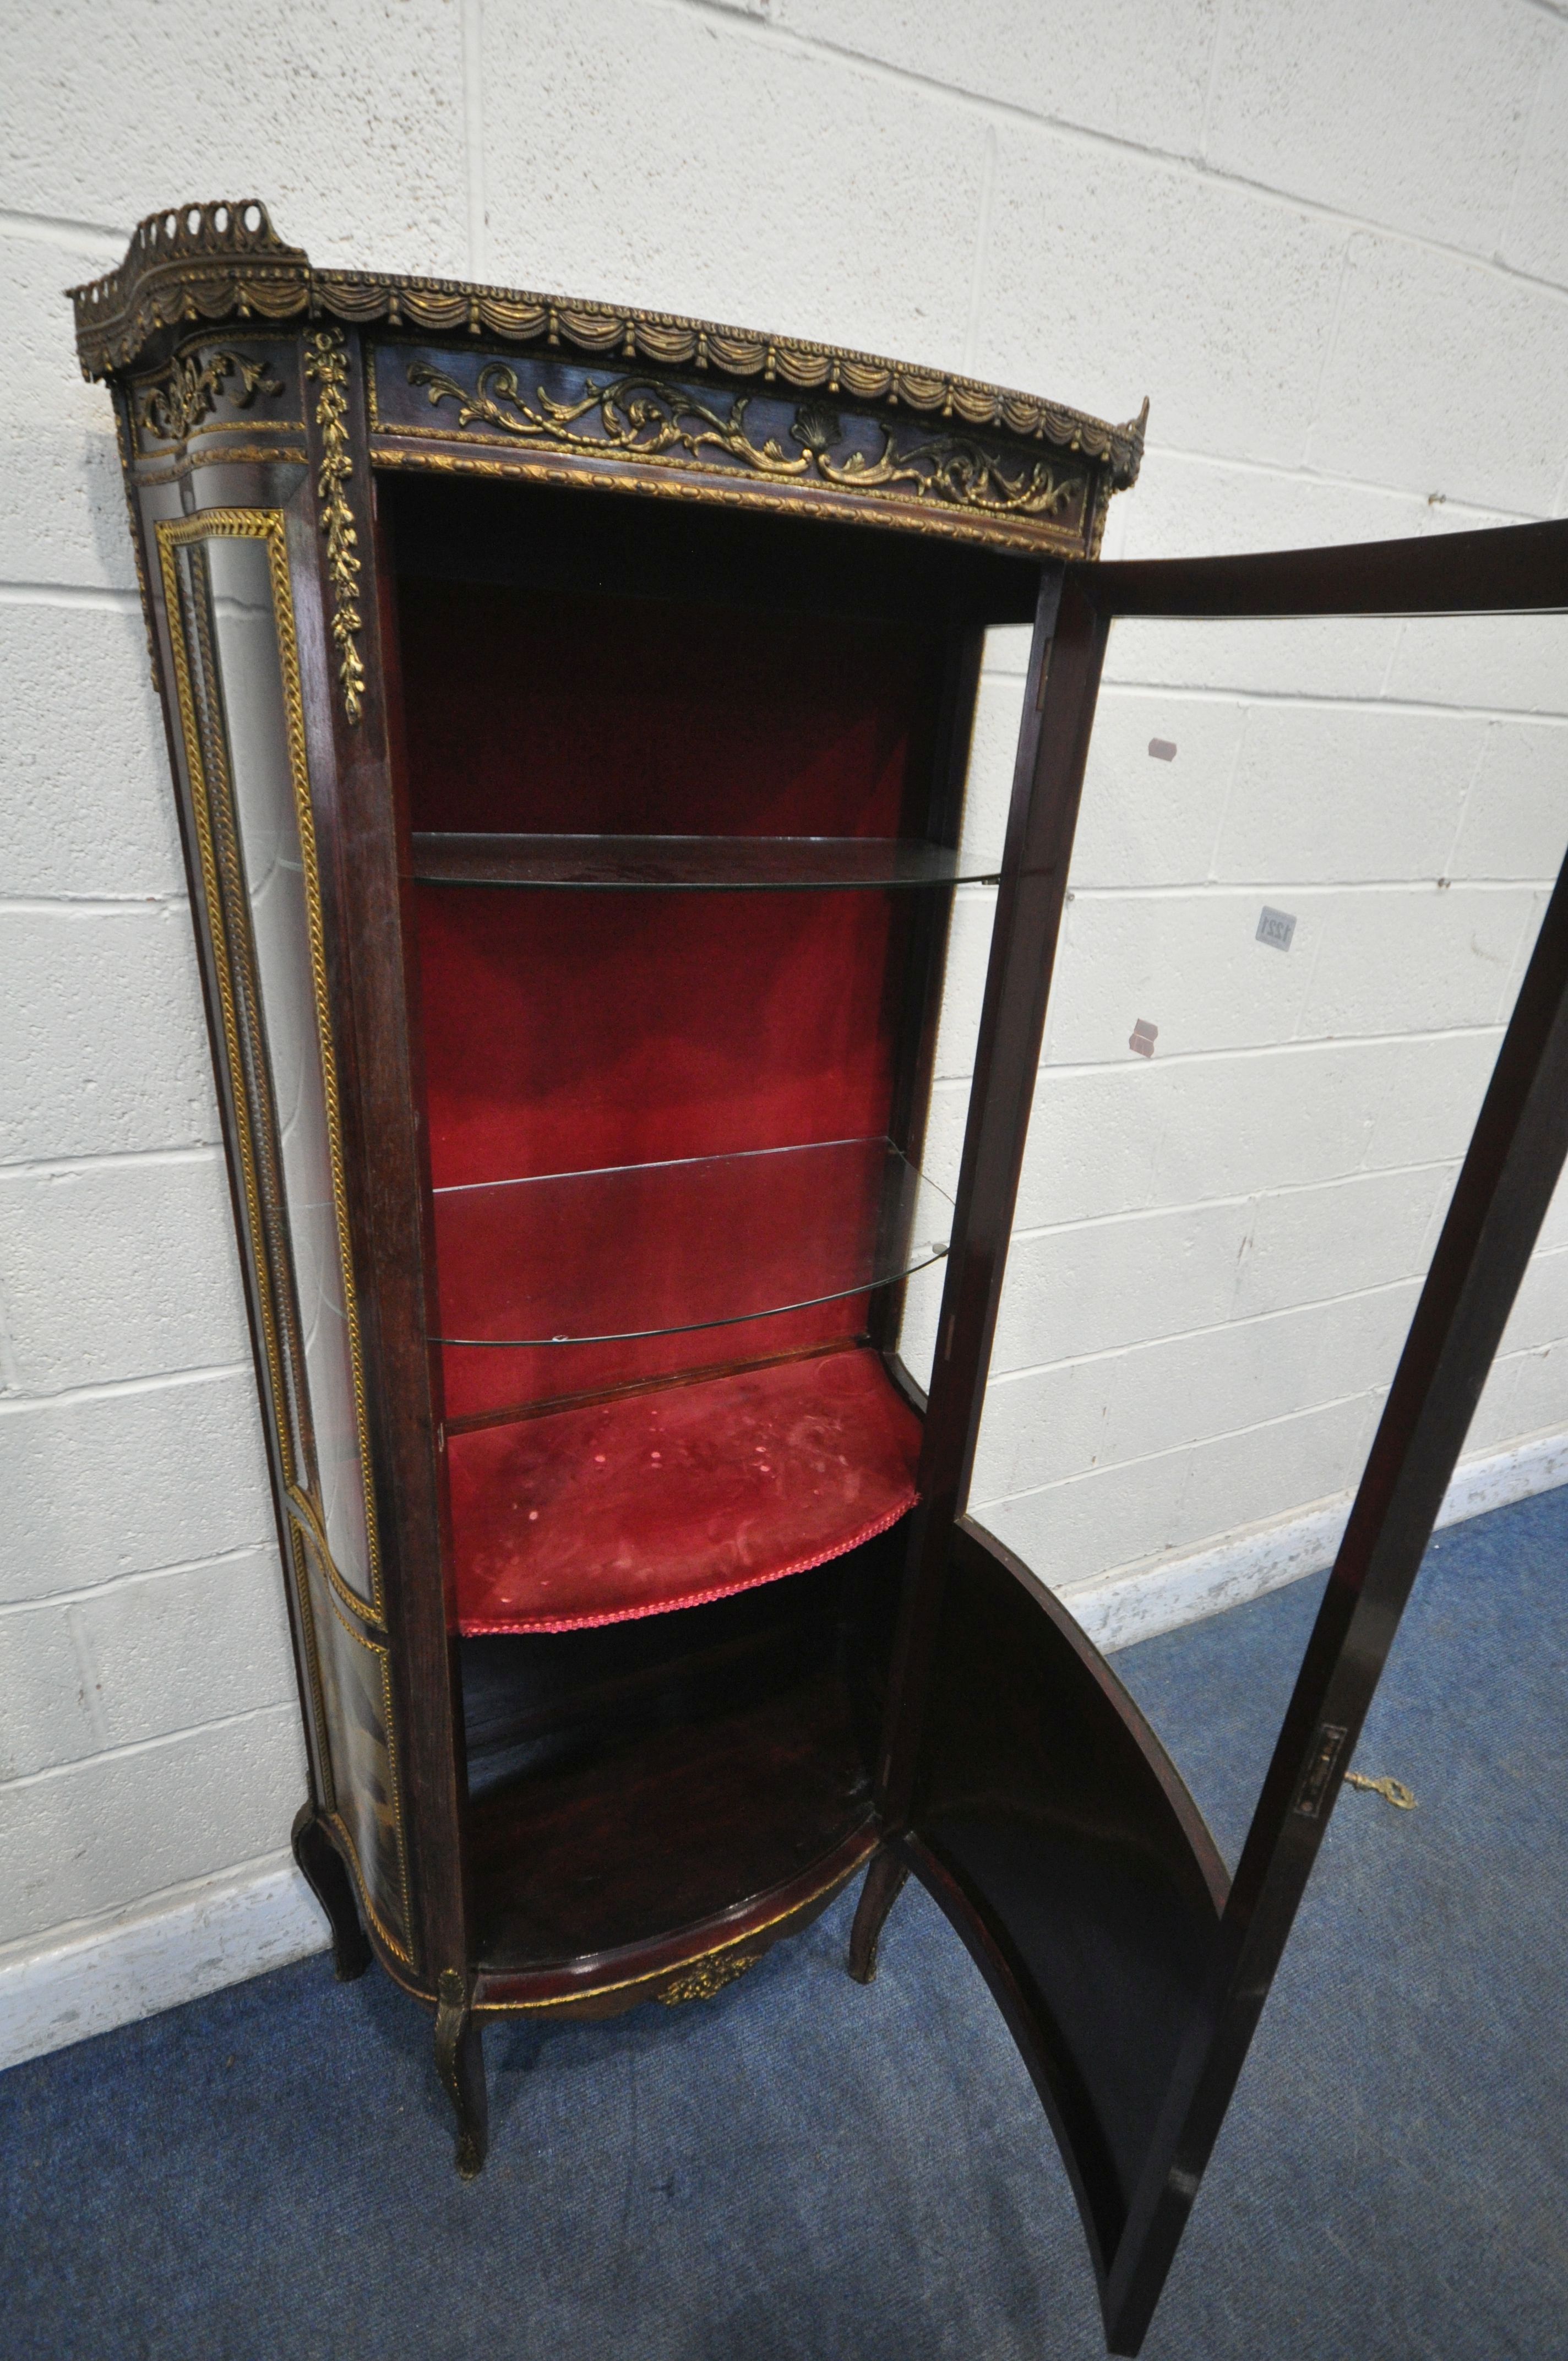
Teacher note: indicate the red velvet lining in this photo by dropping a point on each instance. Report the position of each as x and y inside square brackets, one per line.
[568, 1032]
[635, 716]
[666, 1500]
[565, 1031]
[574, 1031]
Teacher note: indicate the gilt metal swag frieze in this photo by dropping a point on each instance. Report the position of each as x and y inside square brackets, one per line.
[638, 417]
[224, 260]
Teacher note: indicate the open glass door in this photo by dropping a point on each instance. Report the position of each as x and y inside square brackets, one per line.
[1302, 1112]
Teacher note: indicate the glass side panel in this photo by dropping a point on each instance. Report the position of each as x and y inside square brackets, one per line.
[720, 863]
[266, 824]
[227, 592]
[702, 1242]
[1310, 864]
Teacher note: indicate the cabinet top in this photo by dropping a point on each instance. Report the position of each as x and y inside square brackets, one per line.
[225, 260]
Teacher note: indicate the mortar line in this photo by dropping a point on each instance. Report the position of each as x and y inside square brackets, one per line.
[1342, 704]
[1211, 81]
[108, 1160]
[88, 906]
[120, 1389]
[143, 1746]
[1326, 1502]
[1074, 1069]
[1391, 662]
[1470, 784]
[1117, 1353]
[1227, 800]
[1300, 472]
[1331, 342]
[1221, 693]
[1506, 225]
[1233, 1198]
[1306, 998]
[1311, 889]
[103, 596]
[91, 1695]
[32, 1395]
[1079, 1070]
[61, 230]
[1140, 1348]
[10, 1369]
[117, 1916]
[1524, 951]
[473, 136]
[1251, 1320]
[982, 250]
[1186, 1450]
[85, 1595]
[1006, 110]
[58, 229]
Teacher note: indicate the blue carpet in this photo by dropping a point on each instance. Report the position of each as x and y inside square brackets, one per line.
[802, 2170]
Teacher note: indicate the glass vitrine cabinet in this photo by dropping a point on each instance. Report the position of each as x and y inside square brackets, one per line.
[569, 712]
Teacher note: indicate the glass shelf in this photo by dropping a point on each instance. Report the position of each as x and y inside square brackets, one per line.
[651, 1249]
[718, 863]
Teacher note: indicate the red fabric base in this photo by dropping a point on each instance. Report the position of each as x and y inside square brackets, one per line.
[666, 1499]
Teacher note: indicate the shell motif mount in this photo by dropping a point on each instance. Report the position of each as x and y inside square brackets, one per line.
[639, 418]
[708, 1977]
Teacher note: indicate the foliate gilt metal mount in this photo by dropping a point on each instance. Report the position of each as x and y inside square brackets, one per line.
[326, 361]
[225, 260]
[190, 388]
[639, 418]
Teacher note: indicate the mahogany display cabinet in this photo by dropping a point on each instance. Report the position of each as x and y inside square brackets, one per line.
[568, 710]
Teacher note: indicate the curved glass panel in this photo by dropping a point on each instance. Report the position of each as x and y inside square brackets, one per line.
[1310, 863]
[704, 1242]
[249, 680]
[236, 671]
[1288, 1234]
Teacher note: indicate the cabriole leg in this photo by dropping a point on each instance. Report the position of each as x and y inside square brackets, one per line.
[885, 1884]
[320, 1865]
[460, 2062]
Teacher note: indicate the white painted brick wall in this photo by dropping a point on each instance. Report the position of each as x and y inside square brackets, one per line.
[1331, 244]
[1218, 1250]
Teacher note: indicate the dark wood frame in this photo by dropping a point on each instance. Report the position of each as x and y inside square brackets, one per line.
[244, 380]
[1506, 1184]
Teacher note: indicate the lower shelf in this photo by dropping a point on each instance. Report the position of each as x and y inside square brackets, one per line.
[668, 1832]
[653, 1500]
